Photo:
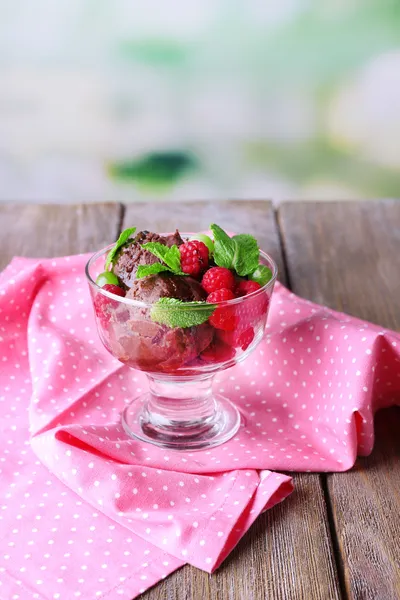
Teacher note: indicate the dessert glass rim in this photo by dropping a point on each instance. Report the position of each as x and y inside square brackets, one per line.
[140, 303]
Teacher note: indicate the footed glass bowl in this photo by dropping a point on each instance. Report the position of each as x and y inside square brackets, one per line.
[180, 410]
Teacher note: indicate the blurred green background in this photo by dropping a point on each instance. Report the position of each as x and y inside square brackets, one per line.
[128, 101]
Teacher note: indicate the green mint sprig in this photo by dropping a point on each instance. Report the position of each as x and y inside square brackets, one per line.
[239, 253]
[175, 313]
[145, 270]
[170, 257]
[123, 238]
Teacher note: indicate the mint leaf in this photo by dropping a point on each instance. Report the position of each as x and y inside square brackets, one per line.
[175, 313]
[239, 253]
[170, 256]
[144, 270]
[246, 255]
[157, 249]
[123, 238]
[224, 247]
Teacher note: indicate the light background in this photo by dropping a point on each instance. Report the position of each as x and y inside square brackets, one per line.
[175, 99]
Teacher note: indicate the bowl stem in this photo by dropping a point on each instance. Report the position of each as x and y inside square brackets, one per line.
[181, 414]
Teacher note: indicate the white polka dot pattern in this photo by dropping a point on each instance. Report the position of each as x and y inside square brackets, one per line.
[307, 396]
[54, 545]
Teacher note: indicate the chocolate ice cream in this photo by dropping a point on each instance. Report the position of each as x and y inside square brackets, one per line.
[133, 254]
[165, 285]
[134, 338]
[173, 316]
[156, 348]
[153, 347]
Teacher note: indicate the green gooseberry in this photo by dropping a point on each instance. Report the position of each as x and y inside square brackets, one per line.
[107, 277]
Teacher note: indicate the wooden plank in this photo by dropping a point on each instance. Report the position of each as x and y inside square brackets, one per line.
[287, 553]
[48, 230]
[347, 255]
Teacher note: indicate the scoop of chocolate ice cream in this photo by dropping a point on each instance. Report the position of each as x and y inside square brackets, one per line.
[143, 344]
[132, 336]
[133, 254]
[156, 348]
[165, 285]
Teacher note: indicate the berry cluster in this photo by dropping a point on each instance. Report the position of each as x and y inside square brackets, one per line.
[233, 322]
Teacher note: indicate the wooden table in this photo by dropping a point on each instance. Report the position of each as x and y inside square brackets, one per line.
[338, 535]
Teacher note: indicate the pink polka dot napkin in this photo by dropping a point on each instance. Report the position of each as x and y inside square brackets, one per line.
[100, 515]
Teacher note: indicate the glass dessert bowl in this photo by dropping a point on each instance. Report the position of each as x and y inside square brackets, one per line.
[180, 337]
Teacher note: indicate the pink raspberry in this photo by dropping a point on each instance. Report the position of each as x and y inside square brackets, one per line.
[114, 289]
[221, 295]
[237, 339]
[217, 352]
[218, 278]
[102, 304]
[224, 317]
[250, 312]
[244, 287]
[194, 257]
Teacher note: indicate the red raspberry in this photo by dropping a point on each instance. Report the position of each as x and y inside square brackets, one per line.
[113, 289]
[217, 352]
[221, 295]
[244, 287]
[237, 339]
[250, 312]
[224, 317]
[217, 278]
[194, 257]
[102, 304]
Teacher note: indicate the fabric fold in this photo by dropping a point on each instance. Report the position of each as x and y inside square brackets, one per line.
[189, 517]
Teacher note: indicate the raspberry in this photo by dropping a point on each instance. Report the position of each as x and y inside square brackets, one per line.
[217, 352]
[250, 312]
[221, 295]
[217, 278]
[102, 304]
[237, 339]
[224, 317]
[194, 257]
[244, 287]
[114, 289]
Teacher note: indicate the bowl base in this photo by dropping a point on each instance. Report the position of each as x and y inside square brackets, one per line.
[196, 434]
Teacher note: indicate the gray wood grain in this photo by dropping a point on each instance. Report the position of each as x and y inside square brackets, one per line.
[287, 554]
[347, 255]
[48, 230]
